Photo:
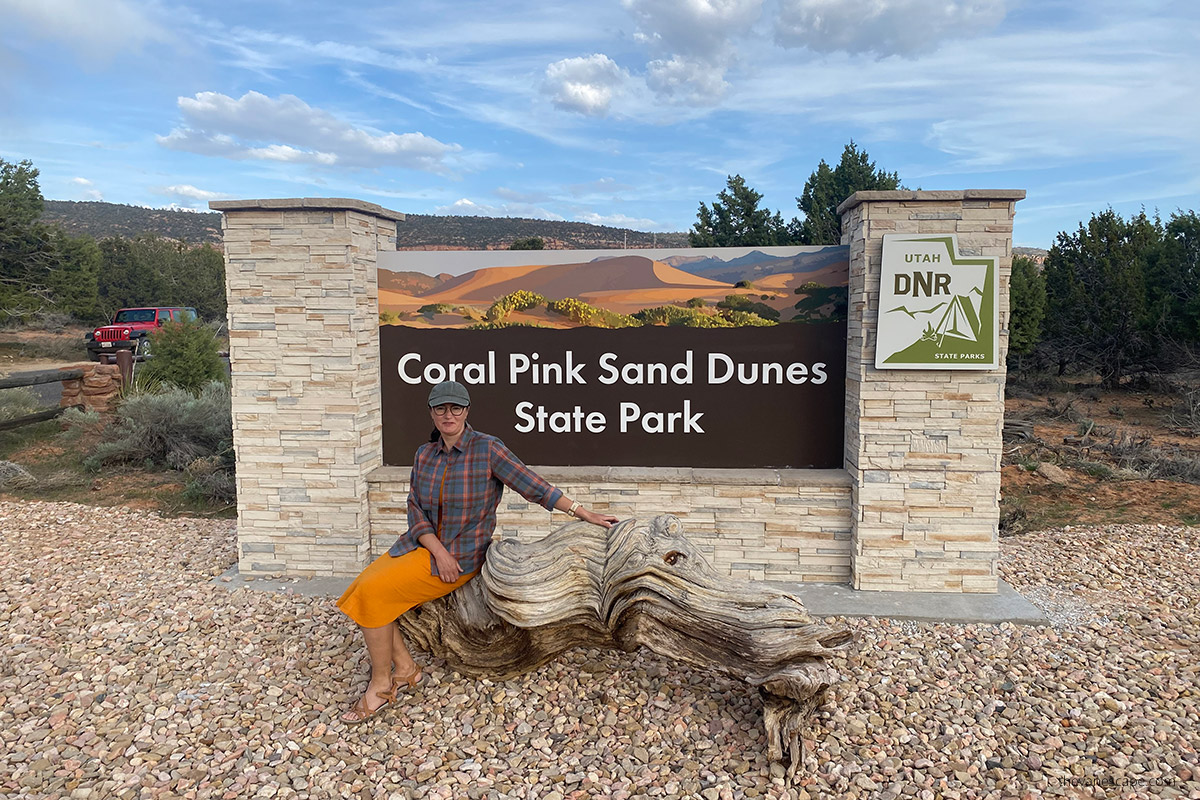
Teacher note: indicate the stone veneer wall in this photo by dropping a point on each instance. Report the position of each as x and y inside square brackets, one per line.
[304, 351]
[916, 508]
[783, 525]
[923, 446]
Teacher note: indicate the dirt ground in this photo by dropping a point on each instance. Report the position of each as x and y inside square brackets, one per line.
[1112, 446]
[24, 350]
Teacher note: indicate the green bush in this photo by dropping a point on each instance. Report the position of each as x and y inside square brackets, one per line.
[741, 302]
[185, 354]
[16, 403]
[388, 318]
[585, 314]
[696, 302]
[745, 319]
[211, 478]
[676, 316]
[435, 308]
[171, 428]
[495, 326]
[520, 300]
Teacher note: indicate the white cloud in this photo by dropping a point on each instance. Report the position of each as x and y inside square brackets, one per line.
[521, 197]
[618, 221]
[89, 190]
[97, 30]
[467, 207]
[699, 28]
[696, 41]
[286, 129]
[599, 186]
[883, 27]
[686, 80]
[192, 193]
[585, 84]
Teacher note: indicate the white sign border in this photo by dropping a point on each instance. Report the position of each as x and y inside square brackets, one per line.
[885, 274]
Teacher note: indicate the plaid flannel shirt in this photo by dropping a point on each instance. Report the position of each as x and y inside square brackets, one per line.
[476, 471]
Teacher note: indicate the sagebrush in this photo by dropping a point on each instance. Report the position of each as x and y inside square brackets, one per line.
[172, 427]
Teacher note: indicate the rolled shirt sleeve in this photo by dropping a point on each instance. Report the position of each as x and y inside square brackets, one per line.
[513, 473]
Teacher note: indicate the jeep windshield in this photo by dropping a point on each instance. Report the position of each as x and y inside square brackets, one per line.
[134, 315]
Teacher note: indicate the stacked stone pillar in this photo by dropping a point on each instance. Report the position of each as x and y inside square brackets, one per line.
[97, 390]
[302, 286]
[923, 446]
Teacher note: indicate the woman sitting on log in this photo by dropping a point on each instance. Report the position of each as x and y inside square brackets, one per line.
[457, 480]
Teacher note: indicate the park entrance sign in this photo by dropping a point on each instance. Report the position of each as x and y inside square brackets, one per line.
[820, 460]
[937, 309]
[650, 397]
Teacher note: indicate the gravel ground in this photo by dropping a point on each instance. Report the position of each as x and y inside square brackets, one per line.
[125, 673]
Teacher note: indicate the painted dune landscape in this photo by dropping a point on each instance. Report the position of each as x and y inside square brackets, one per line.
[702, 287]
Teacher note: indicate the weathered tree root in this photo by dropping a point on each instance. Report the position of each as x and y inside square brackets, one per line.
[641, 583]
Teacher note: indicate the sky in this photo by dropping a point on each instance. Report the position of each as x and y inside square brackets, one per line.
[617, 112]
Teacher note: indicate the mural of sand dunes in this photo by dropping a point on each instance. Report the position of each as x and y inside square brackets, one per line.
[702, 287]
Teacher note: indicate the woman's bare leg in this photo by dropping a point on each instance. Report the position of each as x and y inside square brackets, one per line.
[402, 659]
[379, 648]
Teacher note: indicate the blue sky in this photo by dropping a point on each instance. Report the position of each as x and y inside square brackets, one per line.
[619, 112]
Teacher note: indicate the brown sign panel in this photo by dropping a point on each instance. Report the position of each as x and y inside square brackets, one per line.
[651, 396]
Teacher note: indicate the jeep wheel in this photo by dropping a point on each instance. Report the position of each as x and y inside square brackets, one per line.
[143, 347]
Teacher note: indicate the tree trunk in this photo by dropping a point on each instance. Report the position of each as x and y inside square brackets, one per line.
[641, 583]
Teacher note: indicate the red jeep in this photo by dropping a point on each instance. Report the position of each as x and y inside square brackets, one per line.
[131, 328]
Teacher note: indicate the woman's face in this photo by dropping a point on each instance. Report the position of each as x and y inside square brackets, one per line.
[445, 420]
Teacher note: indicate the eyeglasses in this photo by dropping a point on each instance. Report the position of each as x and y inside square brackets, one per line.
[448, 408]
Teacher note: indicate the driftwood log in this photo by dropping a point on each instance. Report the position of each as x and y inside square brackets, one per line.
[641, 583]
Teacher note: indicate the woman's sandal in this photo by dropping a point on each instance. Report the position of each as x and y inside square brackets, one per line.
[412, 679]
[359, 712]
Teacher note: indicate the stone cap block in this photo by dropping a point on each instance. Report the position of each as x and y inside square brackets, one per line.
[929, 196]
[306, 204]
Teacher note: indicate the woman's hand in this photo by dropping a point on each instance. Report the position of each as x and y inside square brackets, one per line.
[603, 520]
[447, 565]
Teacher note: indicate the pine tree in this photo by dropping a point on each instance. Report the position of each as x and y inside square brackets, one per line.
[827, 188]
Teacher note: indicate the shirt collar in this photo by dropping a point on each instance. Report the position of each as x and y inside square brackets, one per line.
[463, 441]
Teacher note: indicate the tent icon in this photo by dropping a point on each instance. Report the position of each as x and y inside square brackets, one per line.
[959, 321]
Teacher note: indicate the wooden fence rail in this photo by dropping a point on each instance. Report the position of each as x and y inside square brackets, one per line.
[33, 379]
[45, 376]
[41, 416]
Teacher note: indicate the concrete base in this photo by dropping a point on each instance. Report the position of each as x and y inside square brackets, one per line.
[833, 600]
[821, 600]
[232, 578]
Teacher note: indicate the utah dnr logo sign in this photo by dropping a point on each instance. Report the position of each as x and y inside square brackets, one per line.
[937, 310]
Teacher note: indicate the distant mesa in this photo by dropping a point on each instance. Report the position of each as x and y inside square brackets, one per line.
[418, 232]
[756, 265]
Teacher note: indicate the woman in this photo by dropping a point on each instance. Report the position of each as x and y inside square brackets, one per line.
[457, 480]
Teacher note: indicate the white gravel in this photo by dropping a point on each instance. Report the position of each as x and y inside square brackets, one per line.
[125, 673]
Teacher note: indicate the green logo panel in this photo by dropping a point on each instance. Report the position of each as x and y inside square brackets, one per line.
[937, 309]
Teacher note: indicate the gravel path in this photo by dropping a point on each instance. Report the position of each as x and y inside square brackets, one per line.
[124, 673]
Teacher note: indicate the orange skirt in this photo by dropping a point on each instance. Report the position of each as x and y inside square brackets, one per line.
[392, 585]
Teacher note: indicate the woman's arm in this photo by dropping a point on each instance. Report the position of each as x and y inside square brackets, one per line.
[533, 487]
[569, 506]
